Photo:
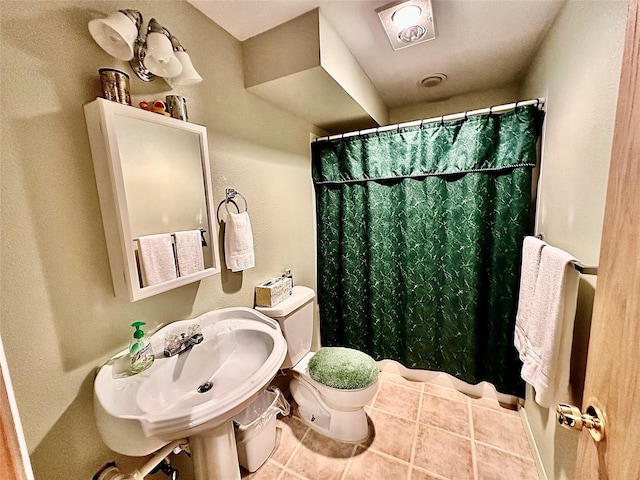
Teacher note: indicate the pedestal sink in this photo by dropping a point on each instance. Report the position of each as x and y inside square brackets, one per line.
[194, 394]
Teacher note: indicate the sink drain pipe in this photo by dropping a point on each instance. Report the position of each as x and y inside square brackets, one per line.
[111, 472]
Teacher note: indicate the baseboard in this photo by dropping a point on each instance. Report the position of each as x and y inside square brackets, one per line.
[542, 474]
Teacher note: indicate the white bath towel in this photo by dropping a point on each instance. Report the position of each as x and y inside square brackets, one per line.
[157, 259]
[189, 252]
[531, 252]
[546, 337]
[238, 242]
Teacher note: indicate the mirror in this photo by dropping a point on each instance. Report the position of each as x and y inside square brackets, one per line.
[153, 179]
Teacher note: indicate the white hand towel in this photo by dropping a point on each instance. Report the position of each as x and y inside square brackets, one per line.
[189, 252]
[157, 259]
[531, 252]
[547, 336]
[238, 242]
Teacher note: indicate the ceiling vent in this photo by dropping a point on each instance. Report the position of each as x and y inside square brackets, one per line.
[432, 80]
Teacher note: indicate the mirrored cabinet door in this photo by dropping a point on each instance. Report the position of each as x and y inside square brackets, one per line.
[154, 184]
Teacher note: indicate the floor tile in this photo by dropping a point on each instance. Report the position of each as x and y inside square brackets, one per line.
[287, 475]
[369, 465]
[289, 432]
[320, 458]
[443, 453]
[493, 404]
[446, 414]
[500, 429]
[418, 431]
[397, 400]
[391, 435]
[268, 471]
[419, 474]
[497, 465]
[449, 393]
[400, 380]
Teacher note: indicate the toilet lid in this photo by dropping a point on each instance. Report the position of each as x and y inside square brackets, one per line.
[343, 368]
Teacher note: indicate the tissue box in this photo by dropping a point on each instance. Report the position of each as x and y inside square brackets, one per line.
[273, 291]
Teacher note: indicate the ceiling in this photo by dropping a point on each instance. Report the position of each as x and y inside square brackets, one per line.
[480, 44]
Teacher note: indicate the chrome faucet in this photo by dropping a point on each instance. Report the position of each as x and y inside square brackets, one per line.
[175, 344]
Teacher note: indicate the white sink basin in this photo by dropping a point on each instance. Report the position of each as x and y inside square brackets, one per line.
[241, 352]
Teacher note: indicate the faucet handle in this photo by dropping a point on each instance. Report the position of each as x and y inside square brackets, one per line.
[171, 343]
[178, 343]
[194, 329]
[194, 332]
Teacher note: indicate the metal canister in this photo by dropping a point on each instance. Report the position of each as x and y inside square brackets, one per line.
[177, 107]
[115, 85]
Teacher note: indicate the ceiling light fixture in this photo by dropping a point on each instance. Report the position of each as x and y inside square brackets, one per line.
[407, 22]
[407, 16]
[151, 53]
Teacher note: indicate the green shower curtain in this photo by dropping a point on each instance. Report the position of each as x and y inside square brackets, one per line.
[420, 233]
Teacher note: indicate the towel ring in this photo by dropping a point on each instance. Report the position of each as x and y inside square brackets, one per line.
[230, 194]
[220, 204]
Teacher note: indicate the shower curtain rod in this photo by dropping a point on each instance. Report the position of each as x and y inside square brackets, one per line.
[539, 102]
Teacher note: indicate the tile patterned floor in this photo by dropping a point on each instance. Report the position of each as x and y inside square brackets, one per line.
[419, 432]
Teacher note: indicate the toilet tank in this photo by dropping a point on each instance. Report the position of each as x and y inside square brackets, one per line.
[295, 316]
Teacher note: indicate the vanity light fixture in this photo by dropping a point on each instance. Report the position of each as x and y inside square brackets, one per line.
[151, 53]
[407, 22]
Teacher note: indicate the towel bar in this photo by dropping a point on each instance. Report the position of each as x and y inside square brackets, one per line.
[585, 270]
[578, 266]
[202, 232]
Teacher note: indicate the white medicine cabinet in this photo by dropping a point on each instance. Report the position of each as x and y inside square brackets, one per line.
[153, 177]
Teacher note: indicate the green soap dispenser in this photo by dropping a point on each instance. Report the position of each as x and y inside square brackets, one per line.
[140, 351]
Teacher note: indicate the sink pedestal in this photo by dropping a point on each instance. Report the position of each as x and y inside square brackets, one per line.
[215, 456]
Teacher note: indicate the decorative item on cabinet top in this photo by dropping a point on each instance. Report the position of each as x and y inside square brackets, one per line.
[152, 52]
[153, 177]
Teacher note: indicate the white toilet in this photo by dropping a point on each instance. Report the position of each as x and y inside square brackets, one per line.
[337, 413]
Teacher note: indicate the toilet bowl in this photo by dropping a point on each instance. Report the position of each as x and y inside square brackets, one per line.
[331, 389]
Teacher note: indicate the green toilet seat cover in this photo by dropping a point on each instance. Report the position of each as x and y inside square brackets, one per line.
[343, 368]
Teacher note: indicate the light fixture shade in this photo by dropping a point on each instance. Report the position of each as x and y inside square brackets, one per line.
[159, 57]
[189, 75]
[407, 22]
[115, 34]
[407, 16]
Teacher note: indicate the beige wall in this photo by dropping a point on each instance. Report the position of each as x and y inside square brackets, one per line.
[59, 318]
[577, 69]
[457, 104]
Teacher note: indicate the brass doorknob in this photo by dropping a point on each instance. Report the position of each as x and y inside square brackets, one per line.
[569, 416]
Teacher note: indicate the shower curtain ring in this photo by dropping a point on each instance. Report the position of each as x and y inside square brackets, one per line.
[491, 110]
